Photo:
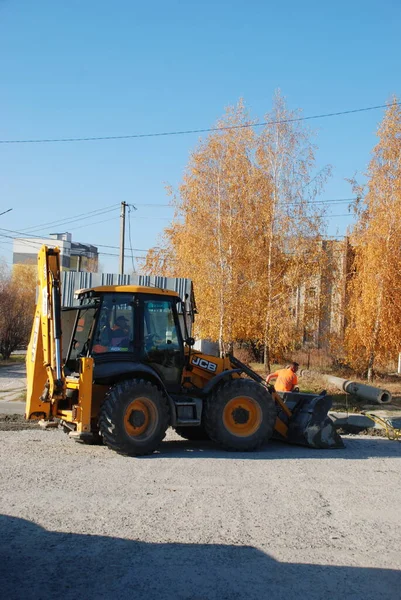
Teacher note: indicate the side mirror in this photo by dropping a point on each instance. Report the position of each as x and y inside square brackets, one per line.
[190, 341]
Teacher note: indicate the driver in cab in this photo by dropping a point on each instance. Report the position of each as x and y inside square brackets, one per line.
[114, 337]
[120, 331]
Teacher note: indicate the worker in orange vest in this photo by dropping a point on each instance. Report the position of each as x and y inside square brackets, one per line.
[286, 379]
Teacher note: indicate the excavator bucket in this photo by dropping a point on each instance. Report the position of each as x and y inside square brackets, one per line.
[309, 424]
[305, 416]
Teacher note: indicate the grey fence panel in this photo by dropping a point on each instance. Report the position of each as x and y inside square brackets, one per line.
[72, 281]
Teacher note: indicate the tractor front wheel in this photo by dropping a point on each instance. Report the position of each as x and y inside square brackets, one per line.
[134, 417]
[240, 415]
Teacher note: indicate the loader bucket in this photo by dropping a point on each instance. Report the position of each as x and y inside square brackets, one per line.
[310, 424]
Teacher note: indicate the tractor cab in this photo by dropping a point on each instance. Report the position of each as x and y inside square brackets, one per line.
[119, 326]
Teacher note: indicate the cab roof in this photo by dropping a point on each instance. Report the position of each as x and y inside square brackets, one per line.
[128, 289]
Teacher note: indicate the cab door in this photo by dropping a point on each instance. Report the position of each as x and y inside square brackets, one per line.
[162, 343]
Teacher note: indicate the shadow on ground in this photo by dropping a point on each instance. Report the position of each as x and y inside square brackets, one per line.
[36, 563]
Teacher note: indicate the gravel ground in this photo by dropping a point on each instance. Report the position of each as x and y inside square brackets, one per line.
[196, 523]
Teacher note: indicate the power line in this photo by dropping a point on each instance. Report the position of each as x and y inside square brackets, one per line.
[191, 131]
[95, 223]
[31, 244]
[332, 201]
[335, 201]
[152, 204]
[19, 233]
[29, 231]
[31, 234]
[117, 255]
[36, 246]
[117, 247]
[45, 236]
[5, 212]
[74, 218]
[99, 212]
[332, 216]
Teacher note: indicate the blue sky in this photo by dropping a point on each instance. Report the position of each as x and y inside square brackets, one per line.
[88, 68]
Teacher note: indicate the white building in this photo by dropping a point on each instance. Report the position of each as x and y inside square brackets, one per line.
[73, 255]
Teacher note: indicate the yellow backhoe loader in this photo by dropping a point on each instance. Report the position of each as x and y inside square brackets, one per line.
[130, 372]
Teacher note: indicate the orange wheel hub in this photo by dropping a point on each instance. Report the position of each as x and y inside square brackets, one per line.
[139, 416]
[242, 416]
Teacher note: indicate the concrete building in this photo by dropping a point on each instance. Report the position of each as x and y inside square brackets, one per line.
[74, 256]
[318, 305]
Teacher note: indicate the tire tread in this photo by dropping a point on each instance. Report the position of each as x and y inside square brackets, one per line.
[114, 438]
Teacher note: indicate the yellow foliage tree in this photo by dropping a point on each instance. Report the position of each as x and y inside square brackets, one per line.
[374, 315]
[244, 229]
[291, 224]
[17, 306]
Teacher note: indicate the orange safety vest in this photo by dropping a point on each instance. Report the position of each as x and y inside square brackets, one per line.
[286, 380]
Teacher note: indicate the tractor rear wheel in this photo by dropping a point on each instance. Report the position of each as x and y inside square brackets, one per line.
[193, 434]
[134, 417]
[240, 415]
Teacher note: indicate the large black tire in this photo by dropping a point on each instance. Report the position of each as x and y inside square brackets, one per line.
[194, 434]
[134, 417]
[240, 415]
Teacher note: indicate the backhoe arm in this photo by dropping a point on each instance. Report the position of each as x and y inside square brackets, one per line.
[45, 378]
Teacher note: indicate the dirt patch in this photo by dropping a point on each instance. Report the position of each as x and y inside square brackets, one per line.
[16, 423]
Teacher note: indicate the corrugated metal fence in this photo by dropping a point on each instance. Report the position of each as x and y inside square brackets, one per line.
[72, 281]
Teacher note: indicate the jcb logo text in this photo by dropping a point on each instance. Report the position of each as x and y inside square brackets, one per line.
[204, 364]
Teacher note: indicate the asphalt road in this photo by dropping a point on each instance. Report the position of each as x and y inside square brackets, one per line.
[12, 382]
[8, 407]
[196, 523]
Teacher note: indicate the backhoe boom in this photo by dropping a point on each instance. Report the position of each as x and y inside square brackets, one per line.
[45, 378]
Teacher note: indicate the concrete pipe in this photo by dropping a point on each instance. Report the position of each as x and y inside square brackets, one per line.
[360, 390]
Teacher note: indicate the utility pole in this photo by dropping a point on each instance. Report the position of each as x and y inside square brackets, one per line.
[122, 236]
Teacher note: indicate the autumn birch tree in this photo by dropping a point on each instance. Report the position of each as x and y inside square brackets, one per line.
[17, 307]
[292, 224]
[374, 315]
[244, 228]
[208, 240]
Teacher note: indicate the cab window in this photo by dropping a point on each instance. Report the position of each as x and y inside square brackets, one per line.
[160, 330]
[82, 334]
[115, 327]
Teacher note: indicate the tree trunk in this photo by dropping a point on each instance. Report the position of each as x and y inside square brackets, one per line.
[221, 339]
[375, 337]
[221, 261]
[275, 170]
[5, 351]
[269, 303]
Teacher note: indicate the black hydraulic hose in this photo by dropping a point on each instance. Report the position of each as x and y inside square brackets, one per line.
[56, 305]
[56, 314]
[250, 372]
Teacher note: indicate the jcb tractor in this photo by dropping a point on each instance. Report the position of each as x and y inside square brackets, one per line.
[130, 372]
